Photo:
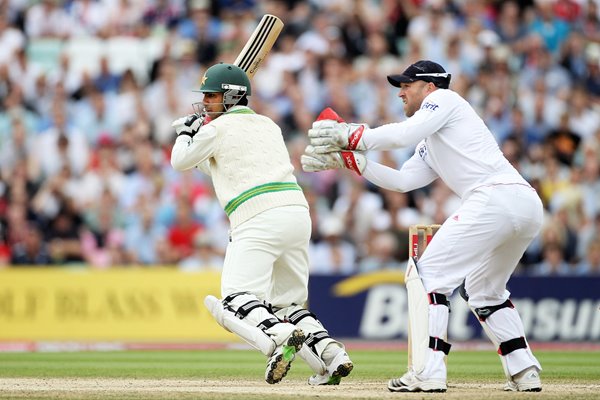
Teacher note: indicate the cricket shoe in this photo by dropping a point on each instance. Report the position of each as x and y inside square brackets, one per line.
[340, 367]
[409, 382]
[527, 380]
[281, 360]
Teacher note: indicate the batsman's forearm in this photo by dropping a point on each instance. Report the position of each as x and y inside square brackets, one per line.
[189, 152]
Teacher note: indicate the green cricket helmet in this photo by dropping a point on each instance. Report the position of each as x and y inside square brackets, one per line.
[222, 77]
[228, 79]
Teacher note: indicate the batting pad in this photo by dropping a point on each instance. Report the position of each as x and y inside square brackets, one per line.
[502, 326]
[418, 318]
[253, 335]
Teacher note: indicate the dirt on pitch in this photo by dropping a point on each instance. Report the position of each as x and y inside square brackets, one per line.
[100, 388]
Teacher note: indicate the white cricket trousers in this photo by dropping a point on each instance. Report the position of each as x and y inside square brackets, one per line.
[268, 257]
[483, 242]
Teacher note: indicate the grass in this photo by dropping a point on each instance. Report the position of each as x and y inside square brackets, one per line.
[462, 365]
[465, 367]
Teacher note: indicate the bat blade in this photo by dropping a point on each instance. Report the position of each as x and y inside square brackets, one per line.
[259, 45]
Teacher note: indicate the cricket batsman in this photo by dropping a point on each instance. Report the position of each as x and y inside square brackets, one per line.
[264, 283]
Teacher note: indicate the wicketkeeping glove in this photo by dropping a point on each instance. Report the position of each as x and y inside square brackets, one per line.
[330, 133]
[313, 162]
[188, 125]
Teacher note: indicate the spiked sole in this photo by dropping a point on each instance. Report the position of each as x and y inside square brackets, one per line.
[343, 370]
[279, 368]
[406, 389]
[396, 385]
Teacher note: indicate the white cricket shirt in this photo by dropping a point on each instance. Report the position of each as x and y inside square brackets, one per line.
[453, 143]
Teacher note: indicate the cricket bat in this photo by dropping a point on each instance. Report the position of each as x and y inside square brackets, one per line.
[259, 44]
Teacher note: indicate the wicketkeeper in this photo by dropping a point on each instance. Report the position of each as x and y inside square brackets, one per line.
[480, 244]
[265, 275]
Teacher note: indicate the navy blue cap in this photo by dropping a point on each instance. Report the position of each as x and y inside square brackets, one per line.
[423, 70]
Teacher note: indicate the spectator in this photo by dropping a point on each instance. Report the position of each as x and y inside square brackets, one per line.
[590, 266]
[333, 255]
[182, 231]
[146, 177]
[31, 250]
[205, 257]
[589, 162]
[144, 238]
[356, 208]
[102, 239]
[103, 173]
[47, 20]
[202, 28]
[89, 17]
[572, 55]
[96, 118]
[55, 193]
[381, 254]
[63, 236]
[164, 100]
[124, 16]
[106, 80]
[61, 145]
[11, 39]
[584, 120]
[592, 79]
[553, 263]
[509, 25]
[554, 31]
[589, 21]
[432, 28]
[563, 141]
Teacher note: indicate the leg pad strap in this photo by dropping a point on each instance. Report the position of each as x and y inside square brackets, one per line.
[314, 338]
[438, 299]
[299, 315]
[484, 312]
[511, 345]
[268, 323]
[438, 344]
[244, 310]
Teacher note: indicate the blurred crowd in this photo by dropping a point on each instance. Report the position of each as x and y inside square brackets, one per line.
[89, 88]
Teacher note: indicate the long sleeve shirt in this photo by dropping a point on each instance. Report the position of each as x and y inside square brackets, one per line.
[452, 143]
[248, 161]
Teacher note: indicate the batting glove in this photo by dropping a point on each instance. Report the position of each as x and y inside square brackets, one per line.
[314, 162]
[188, 125]
[330, 133]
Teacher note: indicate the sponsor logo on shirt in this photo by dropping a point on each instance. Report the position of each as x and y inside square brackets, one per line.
[423, 151]
[429, 106]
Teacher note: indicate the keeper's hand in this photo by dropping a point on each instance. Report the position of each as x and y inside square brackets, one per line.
[330, 133]
[314, 162]
[188, 125]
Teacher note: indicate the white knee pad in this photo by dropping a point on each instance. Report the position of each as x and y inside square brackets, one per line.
[504, 327]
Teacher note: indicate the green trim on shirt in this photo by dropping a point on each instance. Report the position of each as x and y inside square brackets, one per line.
[258, 190]
[241, 111]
